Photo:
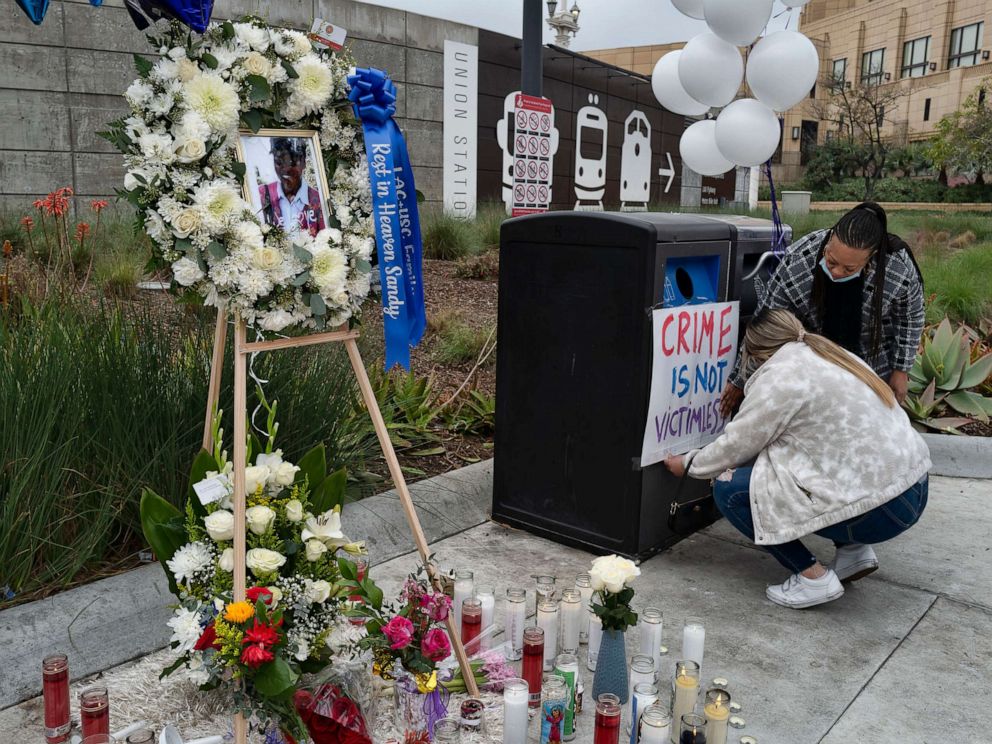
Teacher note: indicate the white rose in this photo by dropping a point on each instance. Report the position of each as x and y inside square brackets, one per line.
[285, 473]
[255, 64]
[611, 573]
[255, 476]
[318, 592]
[191, 150]
[276, 320]
[612, 579]
[186, 222]
[260, 519]
[276, 595]
[220, 525]
[266, 258]
[294, 510]
[315, 549]
[186, 272]
[262, 561]
[226, 560]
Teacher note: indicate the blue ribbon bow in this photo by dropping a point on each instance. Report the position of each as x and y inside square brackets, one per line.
[394, 213]
[194, 13]
[36, 9]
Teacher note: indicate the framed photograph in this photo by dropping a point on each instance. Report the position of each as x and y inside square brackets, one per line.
[285, 182]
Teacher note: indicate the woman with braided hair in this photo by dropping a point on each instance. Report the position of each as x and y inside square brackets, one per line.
[833, 454]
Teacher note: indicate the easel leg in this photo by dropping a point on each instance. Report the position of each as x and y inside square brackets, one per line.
[216, 374]
[405, 500]
[240, 457]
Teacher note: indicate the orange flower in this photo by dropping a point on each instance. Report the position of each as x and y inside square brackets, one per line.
[57, 202]
[238, 612]
[28, 224]
[39, 204]
[82, 230]
[98, 205]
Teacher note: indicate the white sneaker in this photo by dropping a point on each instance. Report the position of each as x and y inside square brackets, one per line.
[853, 562]
[798, 592]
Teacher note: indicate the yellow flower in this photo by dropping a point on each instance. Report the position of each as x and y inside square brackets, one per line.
[238, 612]
[426, 682]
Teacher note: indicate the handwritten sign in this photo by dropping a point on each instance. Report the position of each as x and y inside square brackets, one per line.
[694, 347]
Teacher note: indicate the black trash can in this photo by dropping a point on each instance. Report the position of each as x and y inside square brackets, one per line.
[576, 291]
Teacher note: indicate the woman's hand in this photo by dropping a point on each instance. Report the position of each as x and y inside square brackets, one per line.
[730, 401]
[899, 382]
[676, 464]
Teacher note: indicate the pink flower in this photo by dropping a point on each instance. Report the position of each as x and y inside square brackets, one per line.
[437, 606]
[435, 645]
[399, 631]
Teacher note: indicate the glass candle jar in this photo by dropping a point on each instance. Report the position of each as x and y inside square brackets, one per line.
[641, 671]
[716, 708]
[447, 731]
[515, 711]
[595, 639]
[547, 618]
[142, 736]
[472, 715]
[533, 664]
[515, 618]
[692, 729]
[487, 599]
[685, 690]
[649, 626]
[545, 589]
[571, 616]
[554, 703]
[607, 725]
[362, 563]
[644, 696]
[55, 688]
[471, 621]
[693, 640]
[567, 667]
[583, 583]
[656, 726]
[94, 711]
[464, 589]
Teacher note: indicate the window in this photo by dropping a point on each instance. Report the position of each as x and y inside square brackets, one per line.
[840, 70]
[915, 55]
[966, 45]
[926, 110]
[871, 67]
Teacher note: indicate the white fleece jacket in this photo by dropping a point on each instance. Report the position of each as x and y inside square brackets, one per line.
[827, 447]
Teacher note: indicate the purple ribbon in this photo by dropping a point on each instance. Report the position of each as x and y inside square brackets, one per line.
[436, 706]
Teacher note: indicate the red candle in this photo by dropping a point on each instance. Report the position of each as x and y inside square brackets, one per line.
[55, 688]
[471, 620]
[607, 729]
[533, 665]
[94, 710]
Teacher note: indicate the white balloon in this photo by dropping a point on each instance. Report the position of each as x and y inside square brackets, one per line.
[711, 70]
[668, 88]
[691, 8]
[782, 68]
[699, 151]
[737, 21]
[747, 132]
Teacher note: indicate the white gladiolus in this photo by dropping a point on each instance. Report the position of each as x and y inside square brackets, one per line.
[186, 272]
[139, 93]
[220, 525]
[226, 561]
[262, 561]
[294, 510]
[260, 519]
[315, 549]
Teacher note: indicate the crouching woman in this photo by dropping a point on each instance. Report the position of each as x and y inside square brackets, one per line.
[833, 455]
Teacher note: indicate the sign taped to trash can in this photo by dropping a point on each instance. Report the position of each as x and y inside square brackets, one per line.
[694, 349]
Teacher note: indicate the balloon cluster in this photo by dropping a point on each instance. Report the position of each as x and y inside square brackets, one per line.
[707, 73]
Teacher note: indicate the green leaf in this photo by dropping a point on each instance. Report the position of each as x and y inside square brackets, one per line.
[172, 667]
[977, 372]
[259, 88]
[217, 250]
[290, 70]
[302, 254]
[162, 524]
[209, 60]
[313, 466]
[275, 679]
[363, 266]
[238, 168]
[185, 245]
[429, 452]
[348, 569]
[227, 30]
[142, 65]
[420, 197]
[300, 279]
[372, 592]
[971, 404]
[252, 119]
[330, 492]
[317, 304]
[204, 461]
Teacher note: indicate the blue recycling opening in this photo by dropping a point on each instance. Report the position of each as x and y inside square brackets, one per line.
[691, 280]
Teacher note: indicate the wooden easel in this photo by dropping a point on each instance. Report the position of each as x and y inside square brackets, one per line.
[242, 348]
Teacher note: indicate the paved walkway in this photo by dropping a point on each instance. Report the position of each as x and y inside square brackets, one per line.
[905, 657]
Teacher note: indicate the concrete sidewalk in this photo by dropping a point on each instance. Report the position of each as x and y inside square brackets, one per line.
[905, 657]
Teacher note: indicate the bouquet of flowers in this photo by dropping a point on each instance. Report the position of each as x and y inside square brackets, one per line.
[610, 576]
[298, 588]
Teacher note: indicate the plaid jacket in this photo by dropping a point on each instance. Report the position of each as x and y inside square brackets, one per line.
[791, 288]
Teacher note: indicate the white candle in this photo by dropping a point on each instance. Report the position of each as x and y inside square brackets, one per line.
[571, 613]
[649, 631]
[645, 695]
[486, 597]
[685, 693]
[464, 589]
[693, 640]
[516, 617]
[547, 620]
[641, 672]
[656, 725]
[584, 584]
[515, 711]
[595, 638]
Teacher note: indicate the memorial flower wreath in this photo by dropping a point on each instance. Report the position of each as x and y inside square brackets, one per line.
[185, 180]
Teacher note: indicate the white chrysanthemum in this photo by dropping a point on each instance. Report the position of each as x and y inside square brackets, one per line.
[225, 55]
[154, 225]
[220, 202]
[255, 37]
[186, 271]
[310, 91]
[360, 286]
[214, 100]
[197, 671]
[188, 560]
[165, 69]
[139, 93]
[329, 268]
[248, 235]
[157, 147]
[255, 284]
[186, 629]
[276, 320]
[191, 126]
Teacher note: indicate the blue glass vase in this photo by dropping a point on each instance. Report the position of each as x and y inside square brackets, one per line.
[611, 667]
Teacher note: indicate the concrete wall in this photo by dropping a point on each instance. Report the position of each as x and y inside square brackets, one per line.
[62, 82]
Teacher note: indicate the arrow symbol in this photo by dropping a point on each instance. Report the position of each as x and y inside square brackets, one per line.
[669, 171]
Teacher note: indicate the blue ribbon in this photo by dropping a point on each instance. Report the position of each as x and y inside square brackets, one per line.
[778, 243]
[394, 213]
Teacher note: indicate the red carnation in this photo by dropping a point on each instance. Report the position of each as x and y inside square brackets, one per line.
[255, 656]
[264, 635]
[208, 639]
[259, 591]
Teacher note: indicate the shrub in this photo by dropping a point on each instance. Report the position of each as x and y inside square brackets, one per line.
[446, 238]
[484, 266]
[488, 220]
[460, 343]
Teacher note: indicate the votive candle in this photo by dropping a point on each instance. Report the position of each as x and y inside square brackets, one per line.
[547, 619]
[545, 589]
[693, 729]
[55, 687]
[656, 726]
[607, 725]
[583, 582]
[571, 615]
[464, 589]
[693, 640]
[516, 705]
[533, 664]
[641, 671]
[717, 712]
[595, 639]
[684, 693]
[649, 631]
[554, 702]
[94, 710]
[447, 731]
[644, 696]
[471, 619]
[516, 617]
[487, 598]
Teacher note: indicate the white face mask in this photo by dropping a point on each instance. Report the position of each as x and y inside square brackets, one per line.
[835, 280]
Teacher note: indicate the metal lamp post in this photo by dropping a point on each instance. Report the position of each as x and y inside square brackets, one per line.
[563, 21]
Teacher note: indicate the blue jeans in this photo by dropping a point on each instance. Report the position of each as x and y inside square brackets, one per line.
[882, 523]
